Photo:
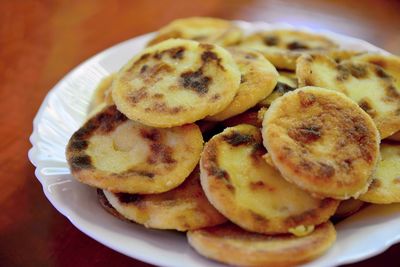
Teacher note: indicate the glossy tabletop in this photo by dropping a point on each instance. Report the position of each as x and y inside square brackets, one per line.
[40, 41]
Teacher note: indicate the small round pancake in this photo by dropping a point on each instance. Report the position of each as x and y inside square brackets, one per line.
[107, 206]
[283, 47]
[347, 208]
[322, 141]
[232, 245]
[385, 188]
[183, 208]
[287, 82]
[201, 29]
[176, 82]
[258, 79]
[113, 153]
[370, 86]
[102, 93]
[249, 192]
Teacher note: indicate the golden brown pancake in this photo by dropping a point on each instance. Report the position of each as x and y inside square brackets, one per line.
[234, 246]
[102, 93]
[322, 141]
[176, 82]
[258, 79]
[183, 208]
[114, 153]
[370, 86]
[252, 194]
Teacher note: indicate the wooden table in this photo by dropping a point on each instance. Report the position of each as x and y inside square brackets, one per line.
[40, 41]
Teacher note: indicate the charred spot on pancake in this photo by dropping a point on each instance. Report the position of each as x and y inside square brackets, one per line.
[359, 134]
[366, 106]
[306, 99]
[260, 185]
[375, 184]
[295, 45]
[381, 73]
[177, 52]
[78, 163]
[195, 81]
[133, 171]
[135, 97]
[343, 73]
[215, 97]
[391, 92]
[271, 40]
[106, 121]
[359, 71]
[306, 133]
[325, 170]
[143, 68]
[283, 88]
[242, 79]
[160, 153]
[158, 96]
[128, 198]
[236, 139]
[78, 144]
[151, 134]
[298, 219]
[209, 56]
[211, 165]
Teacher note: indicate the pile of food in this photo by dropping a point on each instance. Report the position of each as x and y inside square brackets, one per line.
[250, 144]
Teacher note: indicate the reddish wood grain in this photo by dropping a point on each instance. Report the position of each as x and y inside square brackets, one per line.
[40, 41]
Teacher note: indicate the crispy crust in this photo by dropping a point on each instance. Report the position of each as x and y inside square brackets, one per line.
[231, 245]
[370, 86]
[201, 29]
[385, 187]
[113, 153]
[283, 47]
[176, 82]
[258, 79]
[107, 206]
[322, 141]
[252, 194]
[183, 208]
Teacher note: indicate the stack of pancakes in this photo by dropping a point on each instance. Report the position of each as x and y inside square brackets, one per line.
[298, 132]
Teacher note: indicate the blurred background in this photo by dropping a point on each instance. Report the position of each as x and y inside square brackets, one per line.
[40, 41]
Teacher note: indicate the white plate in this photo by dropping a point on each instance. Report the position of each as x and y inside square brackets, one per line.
[368, 233]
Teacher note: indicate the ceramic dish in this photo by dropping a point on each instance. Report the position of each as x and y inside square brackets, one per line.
[363, 235]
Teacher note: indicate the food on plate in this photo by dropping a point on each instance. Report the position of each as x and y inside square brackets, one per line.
[369, 85]
[230, 244]
[176, 82]
[201, 29]
[252, 194]
[258, 79]
[385, 186]
[283, 47]
[287, 81]
[322, 141]
[183, 208]
[114, 153]
[281, 157]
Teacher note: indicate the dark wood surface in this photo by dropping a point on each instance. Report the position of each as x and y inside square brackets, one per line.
[40, 41]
